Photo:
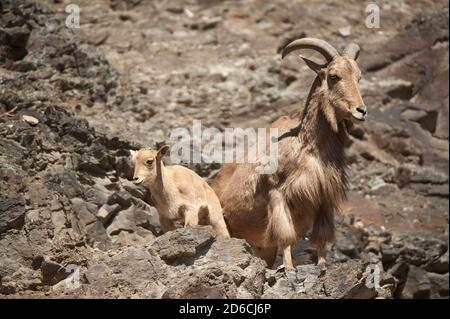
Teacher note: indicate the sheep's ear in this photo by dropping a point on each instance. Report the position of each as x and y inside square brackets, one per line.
[132, 153]
[163, 151]
[318, 68]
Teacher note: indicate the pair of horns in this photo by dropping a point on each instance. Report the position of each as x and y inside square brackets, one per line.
[327, 50]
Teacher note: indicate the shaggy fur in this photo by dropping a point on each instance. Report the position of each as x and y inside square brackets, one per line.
[273, 211]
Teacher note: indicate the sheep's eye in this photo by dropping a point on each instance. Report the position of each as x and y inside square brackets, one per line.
[149, 162]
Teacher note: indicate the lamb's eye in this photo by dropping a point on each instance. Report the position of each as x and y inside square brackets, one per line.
[149, 162]
[334, 77]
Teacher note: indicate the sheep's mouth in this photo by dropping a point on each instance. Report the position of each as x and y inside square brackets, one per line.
[138, 181]
[358, 116]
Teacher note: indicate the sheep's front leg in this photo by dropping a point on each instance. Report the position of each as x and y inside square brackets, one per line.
[166, 224]
[280, 228]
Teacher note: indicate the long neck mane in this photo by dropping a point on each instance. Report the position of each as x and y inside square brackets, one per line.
[318, 129]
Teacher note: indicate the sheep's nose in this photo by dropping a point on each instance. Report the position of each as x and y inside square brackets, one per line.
[135, 179]
[362, 110]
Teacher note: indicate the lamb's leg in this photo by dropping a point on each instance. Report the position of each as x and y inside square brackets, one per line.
[190, 217]
[287, 257]
[218, 223]
[166, 224]
[220, 227]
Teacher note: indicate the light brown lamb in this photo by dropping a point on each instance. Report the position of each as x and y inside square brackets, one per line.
[177, 192]
[272, 211]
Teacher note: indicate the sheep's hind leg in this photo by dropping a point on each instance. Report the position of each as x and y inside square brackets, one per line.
[321, 253]
[268, 254]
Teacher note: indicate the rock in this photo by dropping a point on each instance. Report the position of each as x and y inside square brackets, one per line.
[346, 242]
[30, 119]
[107, 211]
[123, 198]
[59, 221]
[417, 285]
[52, 272]
[442, 127]
[439, 285]
[389, 253]
[182, 245]
[84, 210]
[418, 250]
[210, 283]
[126, 239]
[345, 31]
[129, 220]
[138, 272]
[349, 286]
[439, 265]
[408, 173]
[96, 236]
[221, 268]
[12, 212]
[136, 191]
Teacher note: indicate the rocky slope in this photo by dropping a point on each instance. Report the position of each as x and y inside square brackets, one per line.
[73, 101]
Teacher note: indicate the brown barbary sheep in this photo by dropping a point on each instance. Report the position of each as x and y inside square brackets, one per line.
[177, 192]
[310, 183]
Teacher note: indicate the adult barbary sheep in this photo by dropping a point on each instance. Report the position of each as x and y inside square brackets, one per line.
[272, 211]
[177, 192]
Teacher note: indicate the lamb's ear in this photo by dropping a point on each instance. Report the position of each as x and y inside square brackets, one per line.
[132, 153]
[163, 151]
[315, 66]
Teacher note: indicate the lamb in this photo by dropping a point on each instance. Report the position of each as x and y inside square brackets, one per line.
[272, 211]
[177, 192]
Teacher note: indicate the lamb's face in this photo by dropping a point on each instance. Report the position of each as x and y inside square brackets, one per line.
[144, 162]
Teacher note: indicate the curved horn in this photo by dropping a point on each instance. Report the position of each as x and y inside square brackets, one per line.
[321, 46]
[351, 51]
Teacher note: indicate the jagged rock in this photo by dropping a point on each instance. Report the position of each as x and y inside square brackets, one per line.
[12, 212]
[439, 285]
[183, 244]
[96, 236]
[139, 272]
[439, 265]
[107, 211]
[442, 125]
[417, 285]
[129, 220]
[219, 268]
[84, 210]
[52, 272]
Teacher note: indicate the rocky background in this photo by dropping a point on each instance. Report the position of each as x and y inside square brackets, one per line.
[74, 101]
